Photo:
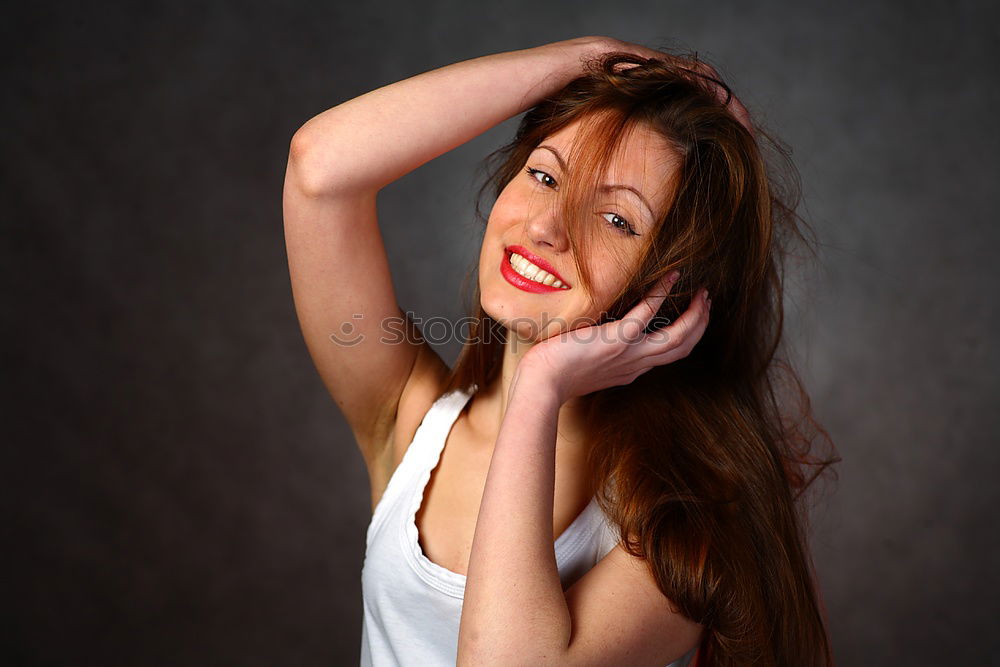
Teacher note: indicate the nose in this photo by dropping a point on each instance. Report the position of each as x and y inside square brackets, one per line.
[545, 228]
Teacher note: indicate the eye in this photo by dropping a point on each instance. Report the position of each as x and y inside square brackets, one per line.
[620, 223]
[535, 173]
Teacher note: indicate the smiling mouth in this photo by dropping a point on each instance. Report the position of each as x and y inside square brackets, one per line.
[516, 262]
[532, 272]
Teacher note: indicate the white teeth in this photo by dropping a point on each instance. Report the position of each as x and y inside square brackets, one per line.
[532, 272]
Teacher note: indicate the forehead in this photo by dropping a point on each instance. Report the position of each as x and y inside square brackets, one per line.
[642, 158]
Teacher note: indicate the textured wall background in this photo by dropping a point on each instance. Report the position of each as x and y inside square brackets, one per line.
[179, 489]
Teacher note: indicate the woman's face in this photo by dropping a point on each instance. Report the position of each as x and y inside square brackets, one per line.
[541, 295]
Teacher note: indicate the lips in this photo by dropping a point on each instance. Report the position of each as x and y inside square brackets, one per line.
[534, 259]
[519, 281]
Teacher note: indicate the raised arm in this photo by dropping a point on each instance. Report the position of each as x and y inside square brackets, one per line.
[341, 285]
[368, 142]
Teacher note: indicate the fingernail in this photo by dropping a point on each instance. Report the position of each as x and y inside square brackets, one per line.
[674, 276]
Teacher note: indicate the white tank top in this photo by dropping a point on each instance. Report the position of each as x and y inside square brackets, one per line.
[412, 606]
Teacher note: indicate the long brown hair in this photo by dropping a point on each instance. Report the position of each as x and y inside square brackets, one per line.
[701, 464]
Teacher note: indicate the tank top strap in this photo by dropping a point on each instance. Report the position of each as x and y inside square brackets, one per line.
[430, 437]
[421, 454]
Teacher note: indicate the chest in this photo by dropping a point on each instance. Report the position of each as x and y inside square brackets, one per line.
[446, 517]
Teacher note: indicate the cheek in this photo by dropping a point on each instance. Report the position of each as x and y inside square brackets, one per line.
[491, 245]
[513, 205]
[606, 278]
[484, 252]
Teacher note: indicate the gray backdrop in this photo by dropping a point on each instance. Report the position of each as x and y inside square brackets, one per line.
[179, 488]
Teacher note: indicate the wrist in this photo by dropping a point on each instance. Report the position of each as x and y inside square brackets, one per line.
[573, 53]
[534, 376]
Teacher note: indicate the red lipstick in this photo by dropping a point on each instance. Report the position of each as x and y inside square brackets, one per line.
[519, 281]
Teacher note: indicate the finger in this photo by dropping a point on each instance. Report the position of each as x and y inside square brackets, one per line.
[728, 99]
[682, 345]
[741, 113]
[685, 346]
[650, 303]
[631, 326]
[687, 327]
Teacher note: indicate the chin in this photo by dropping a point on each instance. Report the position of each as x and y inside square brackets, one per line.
[490, 303]
[524, 326]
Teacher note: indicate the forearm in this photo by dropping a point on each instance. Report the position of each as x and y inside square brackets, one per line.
[514, 609]
[371, 140]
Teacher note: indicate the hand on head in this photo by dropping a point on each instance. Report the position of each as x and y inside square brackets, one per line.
[705, 72]
[592, 358]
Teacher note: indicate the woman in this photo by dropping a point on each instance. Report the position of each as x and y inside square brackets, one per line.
[605, 477]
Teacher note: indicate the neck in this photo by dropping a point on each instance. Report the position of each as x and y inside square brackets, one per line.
[489, 405]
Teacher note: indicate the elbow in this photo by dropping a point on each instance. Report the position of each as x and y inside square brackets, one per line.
[305, 168]
[299, 147]
[321, 166]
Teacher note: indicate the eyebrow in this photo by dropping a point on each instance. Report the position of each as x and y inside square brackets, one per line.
[609, 186]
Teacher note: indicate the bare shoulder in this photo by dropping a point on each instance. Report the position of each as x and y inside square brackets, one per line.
[424, 386]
